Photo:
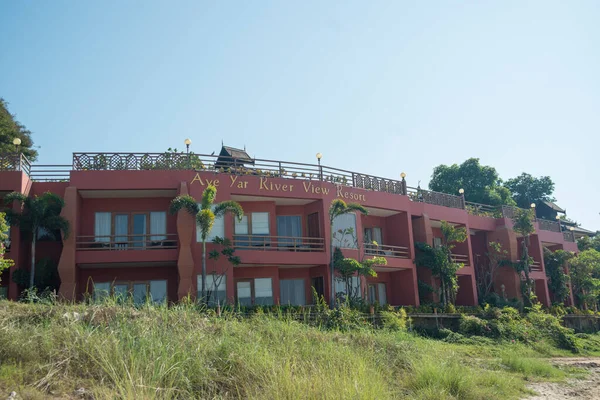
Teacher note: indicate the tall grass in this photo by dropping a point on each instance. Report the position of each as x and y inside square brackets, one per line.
[179, 353]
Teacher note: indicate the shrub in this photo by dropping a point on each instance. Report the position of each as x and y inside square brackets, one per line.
[472, 326]
[394, 321]
[450, 309]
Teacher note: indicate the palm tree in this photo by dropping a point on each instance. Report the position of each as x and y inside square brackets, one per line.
[39, 215]
[339, 207]
[205, 217]
[523, 225]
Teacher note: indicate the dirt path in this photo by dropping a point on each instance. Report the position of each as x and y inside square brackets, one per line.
[584, 389]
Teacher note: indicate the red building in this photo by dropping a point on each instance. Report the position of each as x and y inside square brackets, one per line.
[124, 240]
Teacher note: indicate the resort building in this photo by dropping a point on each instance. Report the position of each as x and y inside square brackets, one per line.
[123, 239]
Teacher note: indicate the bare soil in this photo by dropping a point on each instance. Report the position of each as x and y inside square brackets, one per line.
[587, 388]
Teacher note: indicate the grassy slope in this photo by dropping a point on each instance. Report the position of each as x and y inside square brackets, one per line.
[160, 353]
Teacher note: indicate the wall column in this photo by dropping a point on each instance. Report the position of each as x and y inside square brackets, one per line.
[67, 266]
[186, 223]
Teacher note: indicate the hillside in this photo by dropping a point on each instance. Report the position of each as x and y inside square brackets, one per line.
[108, 352]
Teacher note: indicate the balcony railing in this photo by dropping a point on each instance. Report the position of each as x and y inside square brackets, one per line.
[127, 242]
[460, 258]
[14, 162]
[569, 237]
[385, 250]
[483, 210]
[551, 226]
[278, 243]
[437, 198]
[536, 267]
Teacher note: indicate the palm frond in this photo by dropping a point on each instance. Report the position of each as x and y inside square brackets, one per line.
[229, 206]
[184, 202]
[205, 219]
[351, 207]
[15, 196]
[57, 223]
[208, 197]
[52, 203]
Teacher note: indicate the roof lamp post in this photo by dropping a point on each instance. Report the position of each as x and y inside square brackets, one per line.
[559, 224]
[403, 183]
[17, 143]
[319, 155]
[533, 209]
[187, 143]
[461, 191]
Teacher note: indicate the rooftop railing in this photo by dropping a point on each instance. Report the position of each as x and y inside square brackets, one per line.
[547, 225]
[14, 162]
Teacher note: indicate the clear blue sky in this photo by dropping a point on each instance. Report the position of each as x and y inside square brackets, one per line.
[380, 87]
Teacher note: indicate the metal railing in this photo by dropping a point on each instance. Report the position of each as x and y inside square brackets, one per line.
[569, 237]
[278, 243]
[436, 198]
[14, 162]
[127, 242]
[483, 210]
[547, 225]
[385, 250]
[50, 173]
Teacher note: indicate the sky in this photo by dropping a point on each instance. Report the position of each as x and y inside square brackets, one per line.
[379, 87]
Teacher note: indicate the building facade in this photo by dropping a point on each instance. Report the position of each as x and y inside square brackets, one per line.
[124, 241]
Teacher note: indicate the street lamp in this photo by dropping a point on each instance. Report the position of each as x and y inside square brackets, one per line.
[319, 155]
[17, 143]
[187, 144]
[461, 191]
[403, 175]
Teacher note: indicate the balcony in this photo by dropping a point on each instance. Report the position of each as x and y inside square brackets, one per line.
[569, 237]
[384, 250]
[280, 250]
[547, 225]
[126, 248]
[460, 258]
[278, 243]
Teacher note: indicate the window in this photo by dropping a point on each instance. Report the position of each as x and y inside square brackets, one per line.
[437, 242]
[216, 289]
[289, 227]
[102, 226]
[382, 293]
[373, 234]
[257, 291]
[218, 228]
[158, 225]
[340, 286]
[345, 223]
[263, 291]
[130, 230]
[6, 241]
[101, 290]
[3, 292]
[258, 224]
[292, 292]
[155, 291]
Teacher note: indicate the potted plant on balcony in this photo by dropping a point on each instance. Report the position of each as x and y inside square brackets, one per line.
[205, 214]
[38, 215]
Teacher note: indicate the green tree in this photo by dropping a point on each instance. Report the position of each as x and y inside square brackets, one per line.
[526, 189]
[586, 243]
[39, 216]
[10, 129]
[480, 182]
[227, 251]
[337, 208]
[486, 270]
[440, 261]
[558, 280]
[205, 218]
[5, 263]
[523, 225]
[585, 278]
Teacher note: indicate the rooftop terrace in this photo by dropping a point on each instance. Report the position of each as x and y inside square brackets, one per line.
[260, 167]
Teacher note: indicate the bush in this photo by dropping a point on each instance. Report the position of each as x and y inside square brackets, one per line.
[472, 326]
[394, 321]
[450, 309]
